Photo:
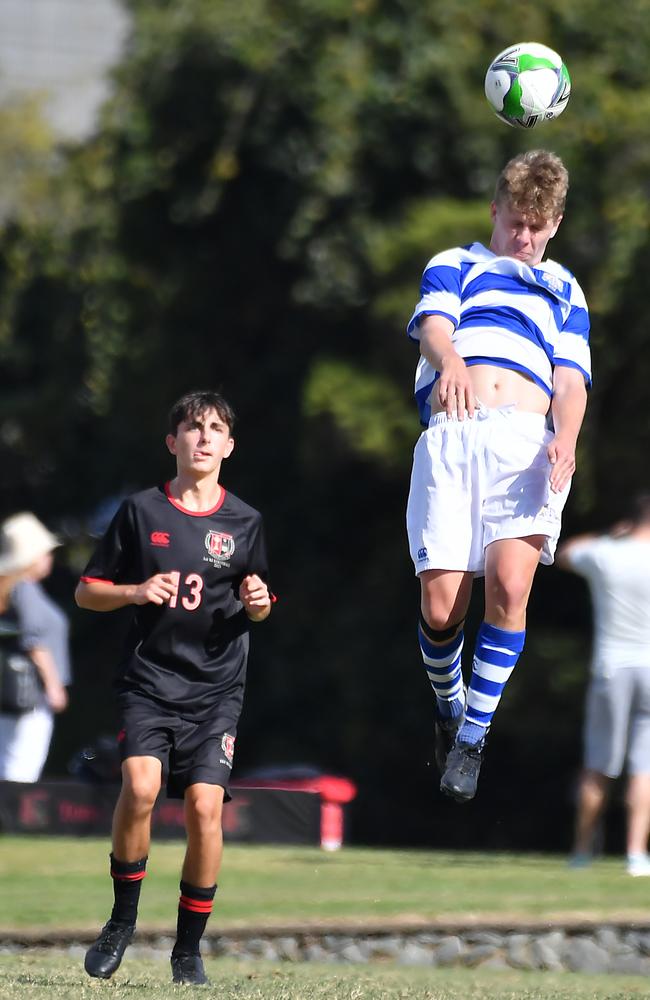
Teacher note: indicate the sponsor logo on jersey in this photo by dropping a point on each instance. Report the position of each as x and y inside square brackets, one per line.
[228, 746]
[159, 538]
[422, 554]
[220, 547]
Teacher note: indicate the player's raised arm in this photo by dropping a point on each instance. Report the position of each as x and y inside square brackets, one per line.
[102, 595]
[454, 386]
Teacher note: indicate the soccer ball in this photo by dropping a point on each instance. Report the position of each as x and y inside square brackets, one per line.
[527, 84]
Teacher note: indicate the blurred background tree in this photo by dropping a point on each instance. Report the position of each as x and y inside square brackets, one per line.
[253, 214]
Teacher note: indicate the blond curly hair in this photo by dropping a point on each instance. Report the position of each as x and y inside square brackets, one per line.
[535, 184]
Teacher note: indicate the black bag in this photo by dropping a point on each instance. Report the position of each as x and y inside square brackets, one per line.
[20, 683]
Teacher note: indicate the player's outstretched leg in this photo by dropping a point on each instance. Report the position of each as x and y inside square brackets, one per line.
[104, 956]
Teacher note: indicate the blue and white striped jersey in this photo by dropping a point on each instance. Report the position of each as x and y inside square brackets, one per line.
[505, 313]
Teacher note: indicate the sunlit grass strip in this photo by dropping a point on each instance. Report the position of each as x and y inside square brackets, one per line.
[58, 883]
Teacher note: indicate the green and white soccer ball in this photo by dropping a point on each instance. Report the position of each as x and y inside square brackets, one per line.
[527, 84]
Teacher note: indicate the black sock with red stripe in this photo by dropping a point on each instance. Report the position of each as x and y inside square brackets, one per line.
[127, 881]
[194, 908]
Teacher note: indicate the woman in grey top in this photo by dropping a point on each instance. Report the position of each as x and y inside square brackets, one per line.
[26, 548]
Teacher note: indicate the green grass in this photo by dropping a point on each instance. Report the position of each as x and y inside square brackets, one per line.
[50, 976]
[62, 886]
[61, 883]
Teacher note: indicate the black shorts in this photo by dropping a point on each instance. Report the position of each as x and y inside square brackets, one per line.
[189, 752]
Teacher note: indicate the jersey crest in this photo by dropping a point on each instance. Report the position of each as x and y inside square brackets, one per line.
[552, 281]
[220, 546]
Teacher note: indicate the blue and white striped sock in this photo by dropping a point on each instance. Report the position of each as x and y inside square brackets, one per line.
[495, 657]
[442, 662]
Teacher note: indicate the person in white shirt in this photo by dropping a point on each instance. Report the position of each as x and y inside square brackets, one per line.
[617, 716]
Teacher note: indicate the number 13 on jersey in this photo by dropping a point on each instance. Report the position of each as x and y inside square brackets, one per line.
[195, 584]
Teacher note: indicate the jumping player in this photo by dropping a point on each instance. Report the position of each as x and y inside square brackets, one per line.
[191, 558]
[501, 388]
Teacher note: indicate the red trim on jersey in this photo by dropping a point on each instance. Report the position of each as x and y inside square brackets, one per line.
[196, 905]
[195, 513]
[95, 579]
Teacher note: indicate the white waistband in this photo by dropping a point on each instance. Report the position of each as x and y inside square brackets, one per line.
[482, 412]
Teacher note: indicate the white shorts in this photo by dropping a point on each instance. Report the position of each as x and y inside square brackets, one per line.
[476, 481]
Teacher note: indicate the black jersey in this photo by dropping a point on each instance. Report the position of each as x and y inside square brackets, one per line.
[190, 652]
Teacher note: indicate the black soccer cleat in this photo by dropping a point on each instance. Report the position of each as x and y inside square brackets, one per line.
[104, 956]
[444, 735]
[461, 774]
[445, 732]
[187, 970]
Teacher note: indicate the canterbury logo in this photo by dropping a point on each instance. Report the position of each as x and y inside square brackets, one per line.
[160, 538]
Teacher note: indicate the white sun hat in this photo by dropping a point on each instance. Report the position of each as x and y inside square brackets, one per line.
[23, 540]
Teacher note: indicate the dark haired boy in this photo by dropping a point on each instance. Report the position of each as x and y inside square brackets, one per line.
[191, 558]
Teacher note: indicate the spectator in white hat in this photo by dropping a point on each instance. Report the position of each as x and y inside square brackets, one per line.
[38, 628]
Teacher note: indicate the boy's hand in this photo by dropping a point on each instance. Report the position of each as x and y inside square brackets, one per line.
[562, 456]
[157, 589]
[455, 390]
[254, 595]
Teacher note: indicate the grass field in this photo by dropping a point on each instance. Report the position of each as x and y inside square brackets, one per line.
[46, 976]
[276, 885]
[62, 887]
